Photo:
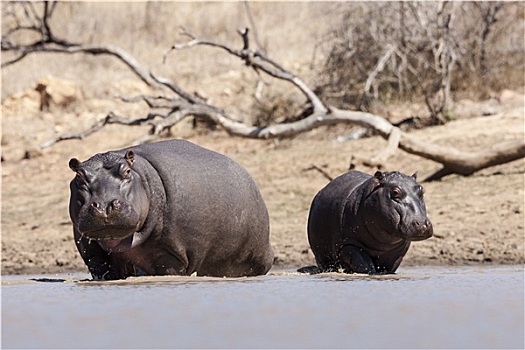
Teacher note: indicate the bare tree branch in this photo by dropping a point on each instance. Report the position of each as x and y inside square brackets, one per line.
[460, 162]
[176, 89]
[453, 161]
[321, 171]
[258, 61]
[54, 47]
[50, 43]
[378, 68]
[393, 144]
[111, 118]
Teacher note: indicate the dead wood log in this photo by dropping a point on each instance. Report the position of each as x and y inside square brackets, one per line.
[460, 162]
[171, 110]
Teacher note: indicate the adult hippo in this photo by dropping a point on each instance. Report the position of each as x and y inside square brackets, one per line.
[168, 208]
[364, 224]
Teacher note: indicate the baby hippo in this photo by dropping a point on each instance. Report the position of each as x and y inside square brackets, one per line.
[364, 224]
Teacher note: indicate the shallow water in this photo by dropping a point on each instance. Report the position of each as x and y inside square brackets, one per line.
[467, 307]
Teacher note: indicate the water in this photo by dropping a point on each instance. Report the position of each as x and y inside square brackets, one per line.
[468, 307]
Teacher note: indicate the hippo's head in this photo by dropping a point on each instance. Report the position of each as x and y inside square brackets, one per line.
[109, 202]
[395, 206]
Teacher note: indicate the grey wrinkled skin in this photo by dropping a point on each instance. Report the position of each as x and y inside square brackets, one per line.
[364, 224]
[168, 208]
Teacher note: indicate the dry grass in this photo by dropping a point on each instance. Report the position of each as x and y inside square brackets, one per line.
[289, 32]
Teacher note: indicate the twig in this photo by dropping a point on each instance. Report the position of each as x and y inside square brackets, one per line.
[176, 89]
[111, 118]
[379, 67]
[324, 173]
[155, 101]
[259, 61]
[248, 8]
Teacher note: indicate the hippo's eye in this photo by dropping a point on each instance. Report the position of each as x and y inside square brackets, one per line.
[125, 172]
[396, 193]
[420, 191]
[82, 183]
[80, 178]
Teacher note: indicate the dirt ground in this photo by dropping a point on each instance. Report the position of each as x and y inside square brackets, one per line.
[477, 219]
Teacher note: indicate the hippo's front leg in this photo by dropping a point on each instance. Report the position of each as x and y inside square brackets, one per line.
[101, 268]
[355, 260]
[97, 260]
[168, 264]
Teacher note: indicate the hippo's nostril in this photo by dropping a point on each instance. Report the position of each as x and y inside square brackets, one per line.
[422, 226]
[95, 205]
[97, 209]
[115, 204]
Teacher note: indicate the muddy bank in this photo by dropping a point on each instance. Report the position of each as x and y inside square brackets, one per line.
[478, 219]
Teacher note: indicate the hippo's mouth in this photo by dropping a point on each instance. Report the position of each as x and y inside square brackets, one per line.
[116, 245]
[122, 245]
[421, 236]
[116, 239]
[416, 233]
[108, 232]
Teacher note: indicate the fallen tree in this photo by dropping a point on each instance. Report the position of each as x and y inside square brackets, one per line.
[174, 104]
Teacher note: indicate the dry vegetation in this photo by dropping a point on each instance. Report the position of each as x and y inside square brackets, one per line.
[478, 218]
[391, 51]
[151, 28]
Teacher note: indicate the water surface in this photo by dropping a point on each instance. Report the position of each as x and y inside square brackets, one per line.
[467, 307]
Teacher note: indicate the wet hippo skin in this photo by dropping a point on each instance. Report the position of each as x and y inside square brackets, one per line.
[168, 208]
[364, 224]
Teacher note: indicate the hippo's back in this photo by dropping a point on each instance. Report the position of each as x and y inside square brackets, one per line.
[165, 155]
[326, 215]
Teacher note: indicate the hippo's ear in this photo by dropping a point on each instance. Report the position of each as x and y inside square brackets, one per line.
[130, 157]
[74, 164]
[379, 176]
[414, 176]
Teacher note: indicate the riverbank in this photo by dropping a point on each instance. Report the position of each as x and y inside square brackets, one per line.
[477, 219]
